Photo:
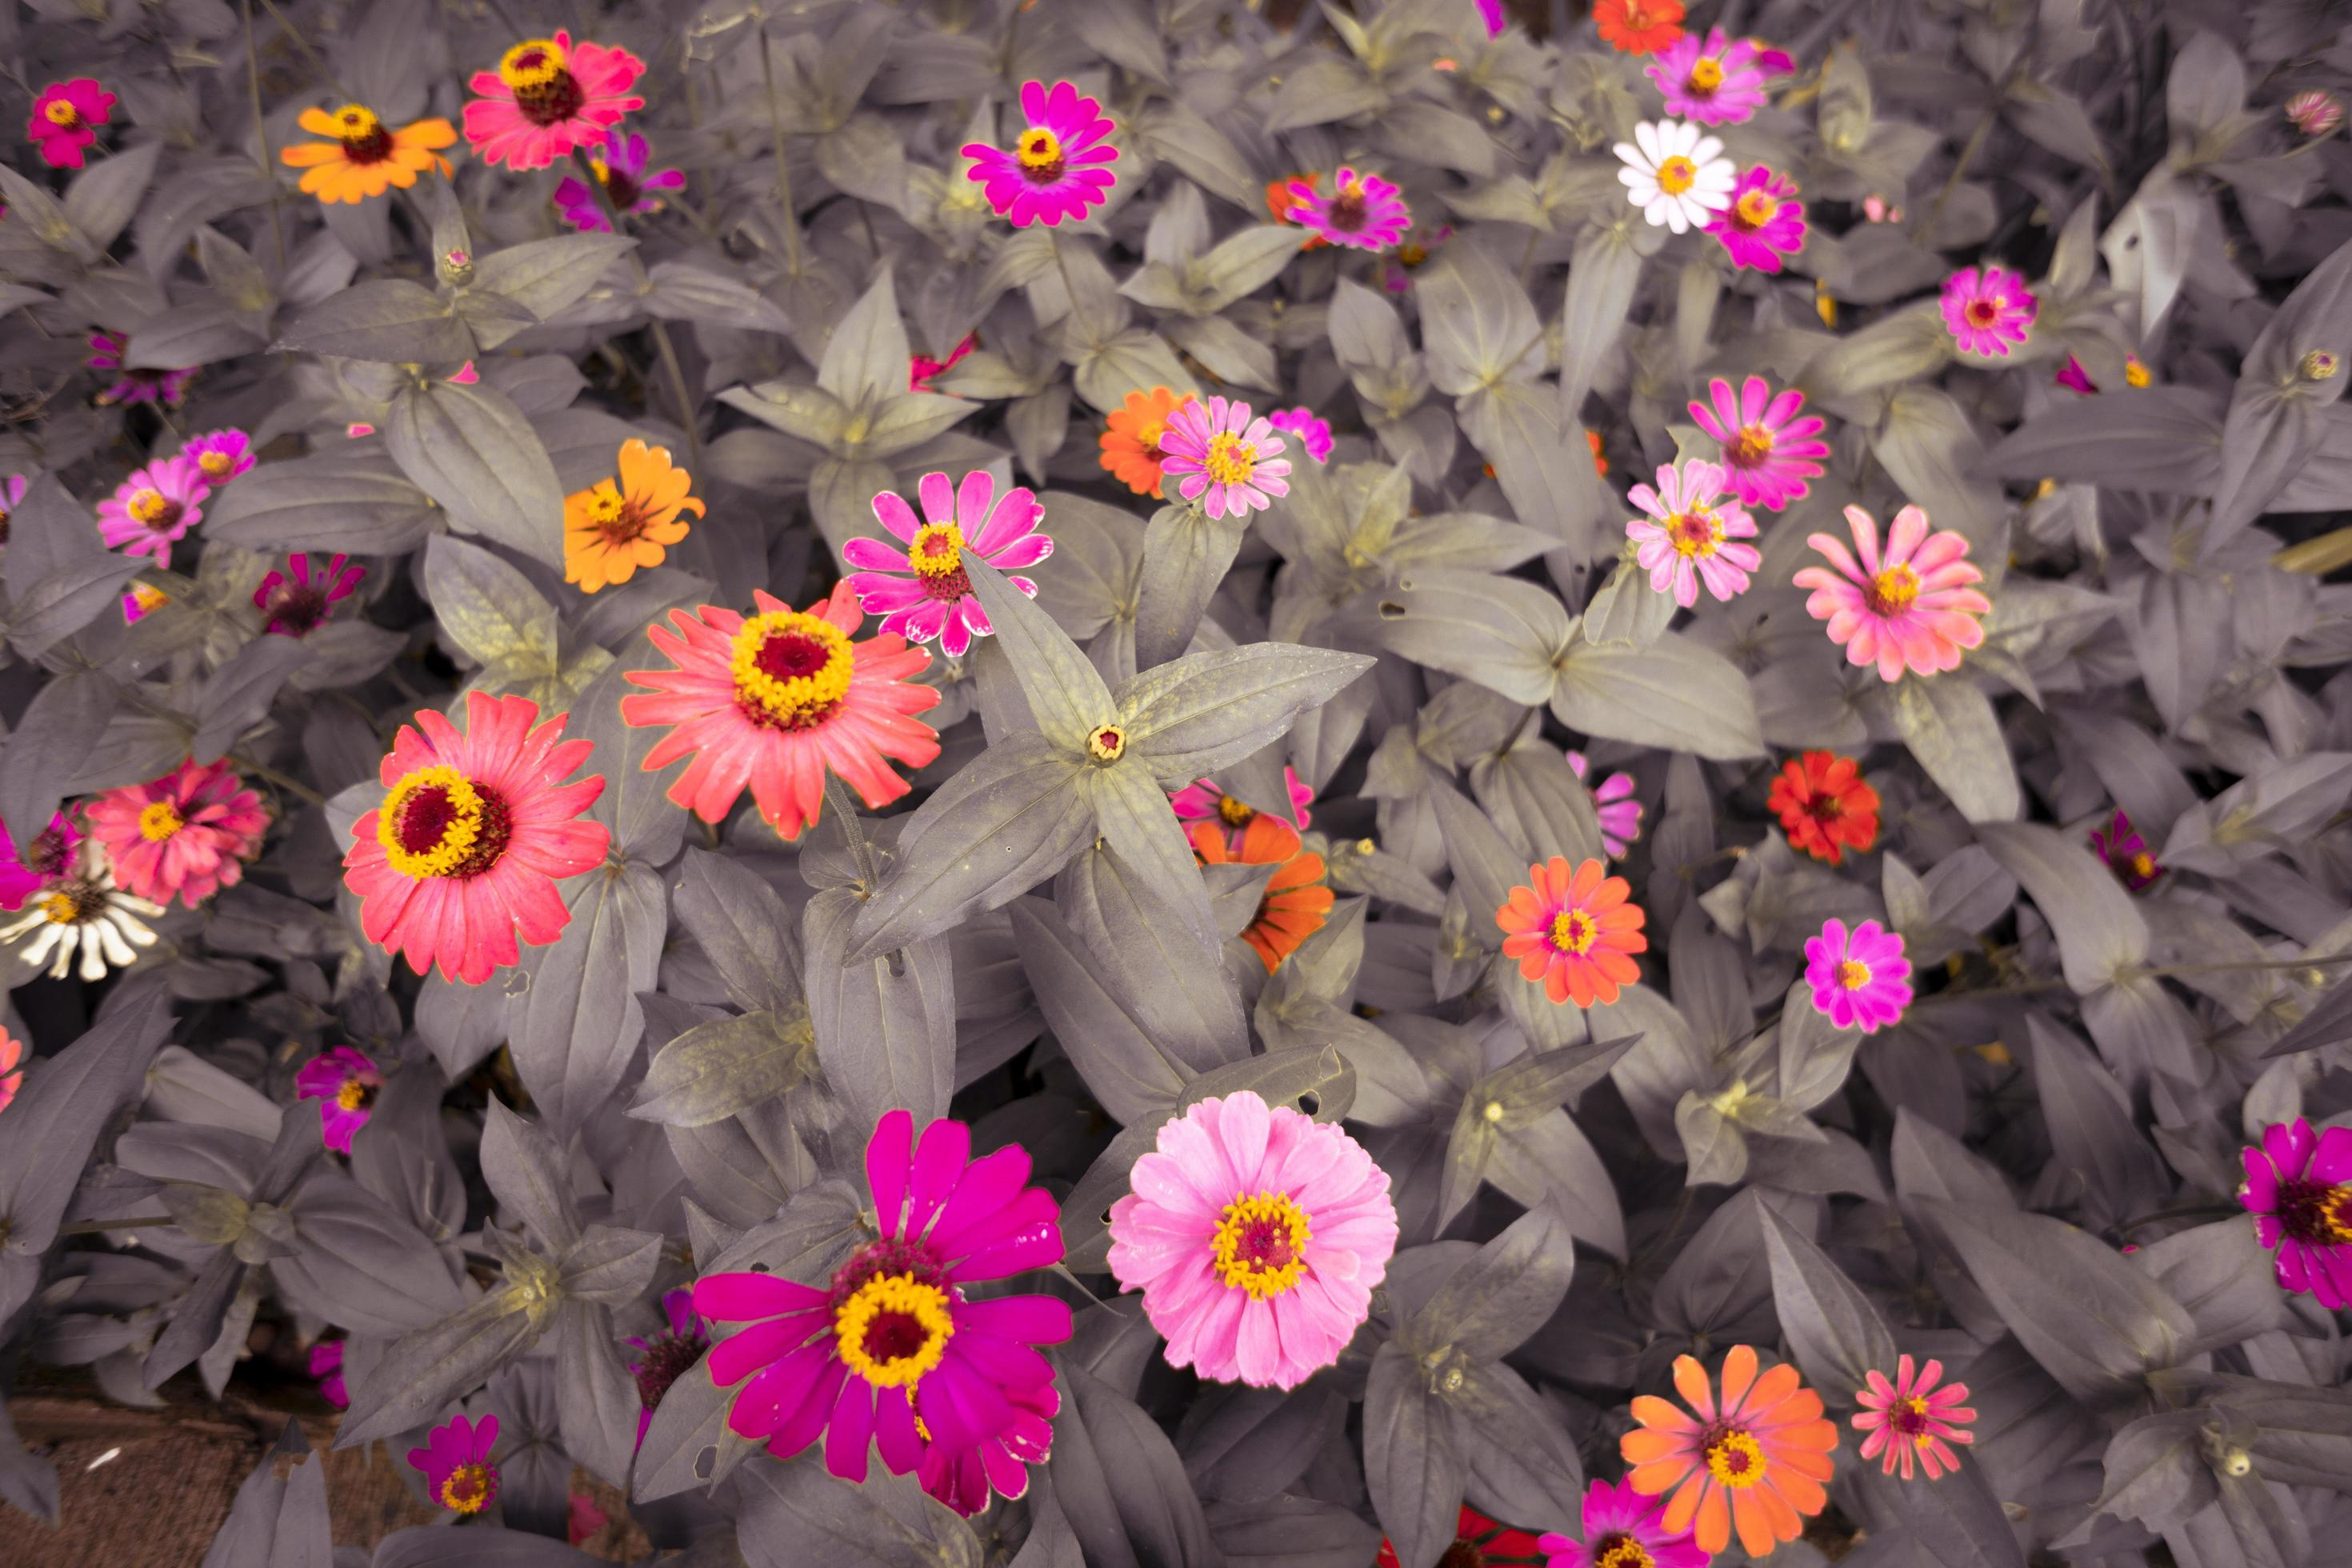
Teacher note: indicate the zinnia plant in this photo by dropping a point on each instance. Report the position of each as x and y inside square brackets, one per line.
[1912, 1423]
[363, 157]
[618, 525]
[549, 96]
[456, 1463]
[1134, 436]
[1913, 606]
[1757, 1460]
[2298, 1187]
[186, 835]
[1295, 904]
[1571, 931]
[1824, 806]
[923, 592]
[344, 1081]
[1058, 167]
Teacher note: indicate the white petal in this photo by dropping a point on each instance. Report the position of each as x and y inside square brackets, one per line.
[1647, 135]
[1705, 149]
[1629, 154]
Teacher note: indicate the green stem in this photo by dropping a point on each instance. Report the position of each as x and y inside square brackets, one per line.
[292, 786]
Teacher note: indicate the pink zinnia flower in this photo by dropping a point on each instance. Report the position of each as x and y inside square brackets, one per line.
[1860, 979]
[2298, 1187]
[1257, 1236]
[620, 167]
[1623, 1528]
[963, 1478]
[1911, 1421]
[299, 599]
[1709, 80]
[187, 833]
[1915, 607]
[156, 505]
[1613, 802]
[1313, 434]
[475, 828]
[1491, 12]
[923, 368]
[894, 1352]
[1763, 222]
[549, 96]
[163, 386]
[2314, 113]
[1216, 447]
[63, 118]
[1363, 210]
[43, 861]
[775, 699]
[220, 456]
[455, 1460]
[326, 1367]
[666, 1357]
[1688, 536]
[923, 592]
[2127, 853]
[12, 1067]
[1988, 311]
[2074, 378]
[1059, 166]
[344, 1082]
[1768, 452]
[1205, 802]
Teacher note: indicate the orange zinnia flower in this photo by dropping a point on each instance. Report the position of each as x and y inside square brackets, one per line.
[1571, 929]
[1296, 903]
[1130, 447]
[1757, 1461]
[364, 157]
[612, 529]
[1639, 26]
[1824, 807]
[1279, 201]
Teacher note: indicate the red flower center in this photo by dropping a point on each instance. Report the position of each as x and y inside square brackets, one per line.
[1462, 1554]
[792, 656]
[2314, 1212]
[1908, 1416]
[1983, 312]
[426, 816]
[365, 138]
[667, 1358]
[1750, 448]
[1621, 1551]
[296, 609]
[895, 1336]
[1348, 209]
[552, 101]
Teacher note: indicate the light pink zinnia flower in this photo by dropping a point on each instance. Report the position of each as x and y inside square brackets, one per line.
[1709, 80]
[1613, 802]
[1688, 536]
[549, 96]
[1363, 210]
[187, 834]
[1860, 979]
[1060, 167]
[1313, 434]
[1911, 1421]
[155, 505]
[1988, 311]
[1216, 447]
[1764, 222]
[1913, 606]
[2314, 113]
[923, 591]
[1204, 802]
[1257, 1236]
[220, 456]
[1768, 452]
[344, 1082]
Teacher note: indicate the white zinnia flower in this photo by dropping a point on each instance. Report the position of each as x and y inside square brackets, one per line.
[1676, 174]
[83, 910]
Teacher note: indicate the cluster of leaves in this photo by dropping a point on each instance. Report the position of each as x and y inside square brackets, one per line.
[1422, 630]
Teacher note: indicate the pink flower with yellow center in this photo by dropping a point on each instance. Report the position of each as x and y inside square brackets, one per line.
[1709, 79]
[1363, 210]
[345, 1083]
[1572, 930]
[187, 834]
[455, 1460]
[220, 456]
[1913, 606]
[1218, 448]
[549, 96]
[1691, 535]
[1763, 221]
[299, 599]
[1990, 310]
[156, 505]
[923, 591]
[65, 120]
[1860, 979]
[2298, 1187]
[1768, 452]
[1912, 1422]
[1059, 166]
[134, 385]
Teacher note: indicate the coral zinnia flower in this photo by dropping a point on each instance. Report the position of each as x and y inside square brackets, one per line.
[43, 861]
[611, 528]
[1911, 1421]
[2313, 112]
[1131, 446]
[1204, 802]
[1824, 806]
[163, 386]
[344, 1082]
[63, 118]
[1060, 167]
[363, 157]
[1613, 803]
[1768, 452]
[1363, 211]
[1859, 979]
[1623, 1528]
[1676, 174]
[1710, 80]
[1313, 434]
[1688, 536]
[1477, 1541]
[2127, 853]
[666, 1357]
[12, 1067]
[1759, 1461]
[894, 1352]
[620, 168]
[83, 911]
[1257, 1236]
[1763, 222]
[1296, 903]
[1638, 26]
[184, 834]
[1989, 312]
[1279, 201]
[924, 592]
[299, 599]
[549, 96]
[775, 699]
[474, 830]
[220, 456]
[155, 505]
[326, 1367]
[1571, 929]
[1914, 607]
[455, 1460]
[2298, 1187]
[1221, 449]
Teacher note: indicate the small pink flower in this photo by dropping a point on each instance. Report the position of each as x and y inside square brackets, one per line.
[922, 592]
[357, 429]
[585, 1518]
[12, 1067]
[1768, 452]
[1763, 222]
[326, 1367]
[457, 1464]
[1990, 310]
[1059, 166]
[1688, 536]
[1708, 80]
[1216, 447]
[620, 168]
[43, 861]
[185, 835]
[1313, 434]
[1204, 802]
[923, 368]
[465, 375]
[344, 1082]
[11, 494]
[1363, 210]
[64, 118]
[156, 505]
[163, 386]
[220, 456]
[1491, 12]
[549, 96]
[1875, 209]
[1613, 802]
[1860, 980]
[2298, 1187]
[298, 600]
[1911, 1420]
[1913, 607]
[2313, 113]
[2127, 853]
[2074, 378]
[1623, 1528]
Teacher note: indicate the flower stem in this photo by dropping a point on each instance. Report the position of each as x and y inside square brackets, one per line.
[784, 169]
[667, 350]
[869, 865]
[260, 136]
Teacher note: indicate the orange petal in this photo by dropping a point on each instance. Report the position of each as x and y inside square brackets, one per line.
[1691, 1382]
[1662, 1416]
[1755, 1521]
[1714, 1522]
[1586, 882]
[1765, 1398]
[1684, 1506]
[1803, 1462]
[1739, 1377]
[1660, 1476]
[1804, 1493]
[1782, 1514]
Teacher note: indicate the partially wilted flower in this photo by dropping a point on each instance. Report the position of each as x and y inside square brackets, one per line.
[83, 913]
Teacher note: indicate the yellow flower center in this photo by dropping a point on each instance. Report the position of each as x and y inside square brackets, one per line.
[357, 1094]
[1261, 1245]
[1677, 175]
[64, 907]
[159, 822]
[1893, 591]
[791, 670]
[148, 505]
[2143, 864]
[535, 62]
[148, 598]
[1229, 461]
[938, 549]
[214, 465]
[1750, 448]
[1622, 1551]
[2137, 374]
[1039, 154]
[1574, 931]
[467, 1490]
[1105, 742]
[1147, 437]
[1755, 208]
[1705, 76]
[604, 171]
[436, 822]
[356, 122]
[1696, 534]
[1852, 974]
[1234, 811]
[893, 1329]
[61, 111]
[1734, 1458]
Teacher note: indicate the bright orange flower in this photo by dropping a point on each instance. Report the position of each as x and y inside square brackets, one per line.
[1130, 447]
[1296, 903]
[613, 528]
[1639, 26]
[1600, 463]
[1756, 1462]
[1824, 807]
[364, 157]
[1279, 201]
[1571, 929]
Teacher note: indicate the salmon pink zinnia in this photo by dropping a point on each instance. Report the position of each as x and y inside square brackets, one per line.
[1570, 929]
[187, 834]
[1913, 606]
[1757, 1460]
[1059, 165]
[1911, 1421]
[549, 96]
[12, 1067]
[921, 590]
[1768, 452]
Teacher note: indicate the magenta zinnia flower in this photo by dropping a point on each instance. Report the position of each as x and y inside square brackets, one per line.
[893, 1353]
[1860, 979]
[12, 496]
[549, 96]
[299, 599]
[663, 1359]
[2074, 378]
[923, 592]
[1313, 434]
[164, 386]
[1708, 80]
[1988, 311]
[1257, 1236]
[42, 862]
[1914, 607]
[1060, 167]
[1491, 12]
[1363, 210]
[220, 456]
[620, 167]
[1623, 1528]
[1205, 802]
[187, 834]
[64, 118]
[344, 1083]
[923, 368]
[155, 505]
[455, 1460]
[1911, 1421]
[1216, 447]
[2298, 1187]
[963, 1478]
[1613, 802]
[1768, 452]
[326, 1367]
[1688, 536]
[2127, 853]
[1763, 222]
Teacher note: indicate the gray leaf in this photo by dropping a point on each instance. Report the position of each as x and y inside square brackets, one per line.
[471, 449]
[884, 1039]
[384, 319]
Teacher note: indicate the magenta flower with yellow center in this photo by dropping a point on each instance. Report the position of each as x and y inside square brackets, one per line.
[922, 591]
[1217, 448]
[1912, 1422]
